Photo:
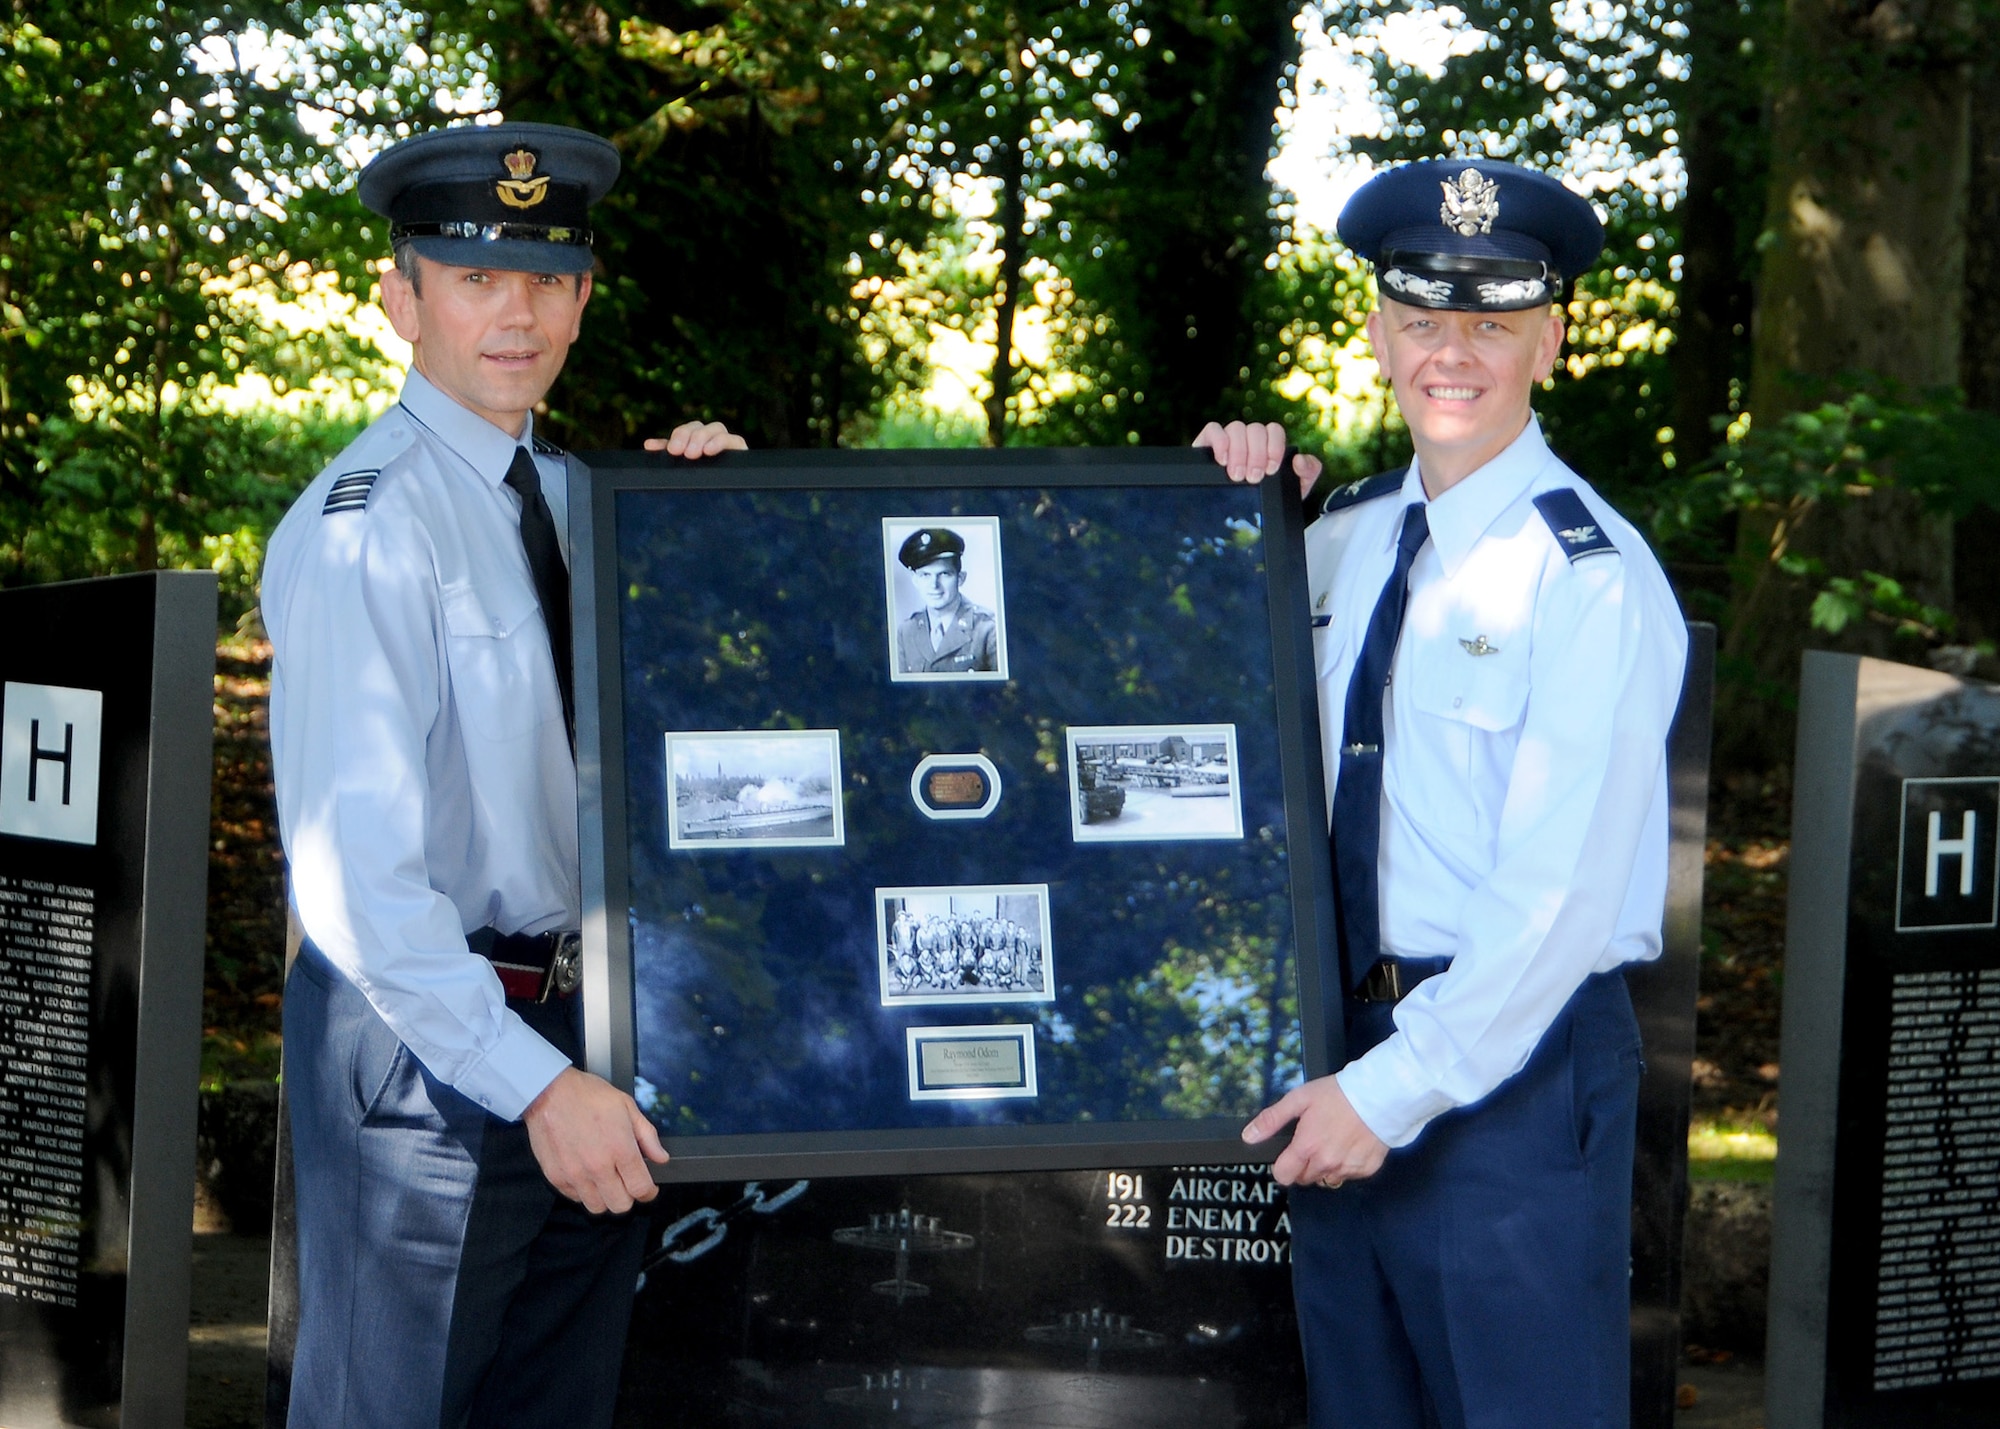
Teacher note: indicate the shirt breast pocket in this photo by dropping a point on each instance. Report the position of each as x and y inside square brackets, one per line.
[1463, 702]
[498, 652]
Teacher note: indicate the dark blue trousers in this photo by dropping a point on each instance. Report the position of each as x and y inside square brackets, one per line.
[442, 1281]
[1482, 1278]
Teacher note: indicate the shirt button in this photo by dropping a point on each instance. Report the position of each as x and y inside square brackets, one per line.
[1457, 700]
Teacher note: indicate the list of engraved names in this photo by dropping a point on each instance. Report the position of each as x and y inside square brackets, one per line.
[45, 942]
[1937, 1304]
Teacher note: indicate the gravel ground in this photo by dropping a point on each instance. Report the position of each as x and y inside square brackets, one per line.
[1726, 1396]
[226, 1331]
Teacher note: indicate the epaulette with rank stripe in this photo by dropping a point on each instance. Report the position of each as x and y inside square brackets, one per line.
[1576, 530]
[350, 492]
[1328, 496]
[544, 447]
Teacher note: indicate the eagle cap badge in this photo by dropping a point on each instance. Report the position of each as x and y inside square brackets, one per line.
[1471, 203]
[523, 190]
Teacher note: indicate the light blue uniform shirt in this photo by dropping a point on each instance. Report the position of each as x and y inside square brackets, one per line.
[424, 778]
[1524, 799]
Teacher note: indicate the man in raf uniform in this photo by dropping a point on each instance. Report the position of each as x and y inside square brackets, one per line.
[467, 1254]
[950, 634]
[1499, 658]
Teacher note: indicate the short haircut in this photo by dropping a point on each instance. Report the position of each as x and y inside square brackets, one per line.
[405, 254]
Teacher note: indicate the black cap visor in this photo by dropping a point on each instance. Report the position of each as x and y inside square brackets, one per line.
[1456, 283]
[511, 247]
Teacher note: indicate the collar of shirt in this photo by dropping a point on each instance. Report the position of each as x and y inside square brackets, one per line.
[1461, 515]
[483, 447]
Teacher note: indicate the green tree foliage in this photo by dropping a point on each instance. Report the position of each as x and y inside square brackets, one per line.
[1576, 88]
[726, 240]
[140, 250]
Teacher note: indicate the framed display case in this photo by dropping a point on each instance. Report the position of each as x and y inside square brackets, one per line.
[947, 811]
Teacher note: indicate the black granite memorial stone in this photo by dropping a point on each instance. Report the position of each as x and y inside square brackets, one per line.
[105, 725]
[1885, 1274]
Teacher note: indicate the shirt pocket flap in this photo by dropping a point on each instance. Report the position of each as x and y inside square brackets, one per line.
[494, 615]
[1487, 691]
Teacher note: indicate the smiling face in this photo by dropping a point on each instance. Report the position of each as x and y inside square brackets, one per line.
[1462, 379]
[491, 339]
[938, 583]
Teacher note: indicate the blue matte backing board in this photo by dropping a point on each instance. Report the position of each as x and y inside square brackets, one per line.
[759, 1022]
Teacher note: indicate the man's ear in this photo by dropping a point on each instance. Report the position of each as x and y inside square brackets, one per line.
[1550, 346]
[584, 288]
[1377, 329]
[399, 301]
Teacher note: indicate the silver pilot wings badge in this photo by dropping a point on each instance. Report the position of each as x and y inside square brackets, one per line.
[1480, 646]
[1471, 203]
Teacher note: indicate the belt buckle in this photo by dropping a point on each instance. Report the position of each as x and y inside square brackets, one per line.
[565, 971]
[1384, 982]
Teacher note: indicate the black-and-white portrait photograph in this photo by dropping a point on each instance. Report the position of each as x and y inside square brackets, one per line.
[756, 788]
[943, 945]
[947, 608]
[1138, 783]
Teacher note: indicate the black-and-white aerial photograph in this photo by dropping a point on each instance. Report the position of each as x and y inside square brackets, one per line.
[1139, 783]
[947, 608]
[757, 788]
[944, 945]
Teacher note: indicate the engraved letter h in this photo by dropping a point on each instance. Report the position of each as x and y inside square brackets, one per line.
[1940, 847]
[36, 754]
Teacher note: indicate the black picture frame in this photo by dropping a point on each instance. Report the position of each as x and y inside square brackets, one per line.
[743, 583]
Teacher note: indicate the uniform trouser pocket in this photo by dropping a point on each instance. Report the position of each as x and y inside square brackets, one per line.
[1605, 1065]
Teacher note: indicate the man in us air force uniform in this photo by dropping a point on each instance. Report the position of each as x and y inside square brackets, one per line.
[466, 1252]
[1499, 658]
[950, 635]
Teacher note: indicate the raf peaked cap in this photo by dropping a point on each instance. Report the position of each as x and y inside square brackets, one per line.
[513, 196]
[1471, 235]
[933, 543]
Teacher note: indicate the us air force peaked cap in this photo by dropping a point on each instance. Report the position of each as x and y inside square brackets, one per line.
[933, 543]
[513, 196]
[1471, 235]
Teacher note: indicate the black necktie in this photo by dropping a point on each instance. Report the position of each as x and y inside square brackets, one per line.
[551, 576]
[1357, 798]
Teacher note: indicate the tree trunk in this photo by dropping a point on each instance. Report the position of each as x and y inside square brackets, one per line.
[1190, 222]
[1976, 574]
[1863, 279]
[1013, 222]
[1720, 115]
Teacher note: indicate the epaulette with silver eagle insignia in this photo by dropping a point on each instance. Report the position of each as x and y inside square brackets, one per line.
[544, 447]
[350, 492]
[1576, 530]
[1328, 496]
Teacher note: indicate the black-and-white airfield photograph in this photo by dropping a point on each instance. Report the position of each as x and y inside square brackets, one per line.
[755, 788]
[977, 944]
[1144, 782]
[947, 606]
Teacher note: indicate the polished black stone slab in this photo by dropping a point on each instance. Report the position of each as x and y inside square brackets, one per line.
[106, 690]
[1885, 1273]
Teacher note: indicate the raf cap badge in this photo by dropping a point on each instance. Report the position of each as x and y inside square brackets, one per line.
[523, 190]
[509, 196]
[1471, 203]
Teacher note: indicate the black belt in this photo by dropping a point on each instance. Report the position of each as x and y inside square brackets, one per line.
[1393, 979]
[532, 966]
